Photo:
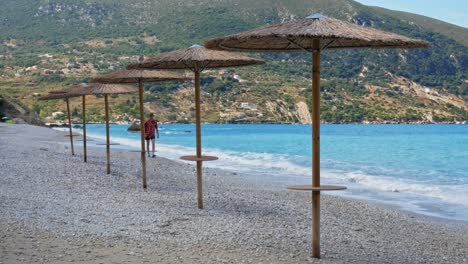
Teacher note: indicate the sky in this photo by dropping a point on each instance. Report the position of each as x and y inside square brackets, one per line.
[452, 11]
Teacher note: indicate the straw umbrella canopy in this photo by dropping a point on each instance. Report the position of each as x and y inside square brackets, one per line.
[78, 89]
[62, 94]
[302, 35]
[58, 92]
[104, 89]
[75, 90]
[313, 34]
[197, 59]
[140, 77]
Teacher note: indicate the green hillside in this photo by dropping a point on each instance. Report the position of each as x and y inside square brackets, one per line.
[46, 44]
[455, 32]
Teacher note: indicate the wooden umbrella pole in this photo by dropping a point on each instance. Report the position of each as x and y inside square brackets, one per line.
[70, 126]
[198, 138]
[106, 102]
[316, 148]
[142, 132]
[84, 127]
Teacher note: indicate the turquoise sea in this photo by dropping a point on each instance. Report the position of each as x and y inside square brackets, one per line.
[421, 168]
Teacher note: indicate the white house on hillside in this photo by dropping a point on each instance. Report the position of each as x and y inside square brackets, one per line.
[248, 106]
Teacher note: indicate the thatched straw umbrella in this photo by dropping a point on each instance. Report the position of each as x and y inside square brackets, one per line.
[58, 92]
[140, 77]
[196, 59]
[78, 89]
[75, 89]
[105, 89]
[313, 34]
[62, 94]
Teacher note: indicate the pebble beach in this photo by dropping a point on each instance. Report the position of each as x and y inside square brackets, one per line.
[54, 208]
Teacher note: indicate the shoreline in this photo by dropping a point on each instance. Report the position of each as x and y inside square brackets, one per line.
[405, 201]
[282, 181]
[56, 194]
[62, 125]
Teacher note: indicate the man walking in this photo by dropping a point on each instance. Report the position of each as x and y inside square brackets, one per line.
[151, 126]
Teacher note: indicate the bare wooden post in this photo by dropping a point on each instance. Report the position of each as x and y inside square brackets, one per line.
[142, 132]
[198, 139]
[70, 126]
[106, 102]
[84, 127]
[316, 148]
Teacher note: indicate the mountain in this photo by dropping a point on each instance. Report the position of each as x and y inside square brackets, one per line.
[46, 44]
[455, 32]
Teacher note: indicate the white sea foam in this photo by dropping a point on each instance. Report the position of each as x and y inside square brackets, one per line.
[175, 132]
[63, 129]
[455, 194]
